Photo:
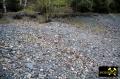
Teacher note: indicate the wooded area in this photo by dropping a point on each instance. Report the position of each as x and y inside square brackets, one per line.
[44, 6]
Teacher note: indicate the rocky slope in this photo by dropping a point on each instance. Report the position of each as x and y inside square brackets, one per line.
[57, 50]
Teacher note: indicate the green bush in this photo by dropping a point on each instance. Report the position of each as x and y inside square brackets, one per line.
[100, 6]
[82, 5]
[29, 11]
[54, 7]
[115, 6]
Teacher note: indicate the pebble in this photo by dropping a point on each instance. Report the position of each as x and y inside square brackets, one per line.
[41, 70]
[74, 42]
[29, 76]
[29, 65]
[72, 68]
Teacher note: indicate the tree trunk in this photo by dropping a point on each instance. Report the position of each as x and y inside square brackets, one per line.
[25, 3]
[20, 2]
[4, 6]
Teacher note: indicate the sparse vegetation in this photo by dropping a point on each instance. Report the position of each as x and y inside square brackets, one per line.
[4, 20]
[50, 6]
[44, 10]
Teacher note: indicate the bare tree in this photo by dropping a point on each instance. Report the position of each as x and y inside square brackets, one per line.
[4, 6]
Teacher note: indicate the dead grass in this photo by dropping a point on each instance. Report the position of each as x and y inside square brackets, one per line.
[73, 21]
[4, 20]
[98, 29]
[41, 19]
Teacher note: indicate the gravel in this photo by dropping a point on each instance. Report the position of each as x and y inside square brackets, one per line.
[57, 50]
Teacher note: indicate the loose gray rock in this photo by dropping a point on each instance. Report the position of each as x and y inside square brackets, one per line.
[57, 50]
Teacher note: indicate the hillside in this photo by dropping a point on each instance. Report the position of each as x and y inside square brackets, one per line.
[59, 49]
